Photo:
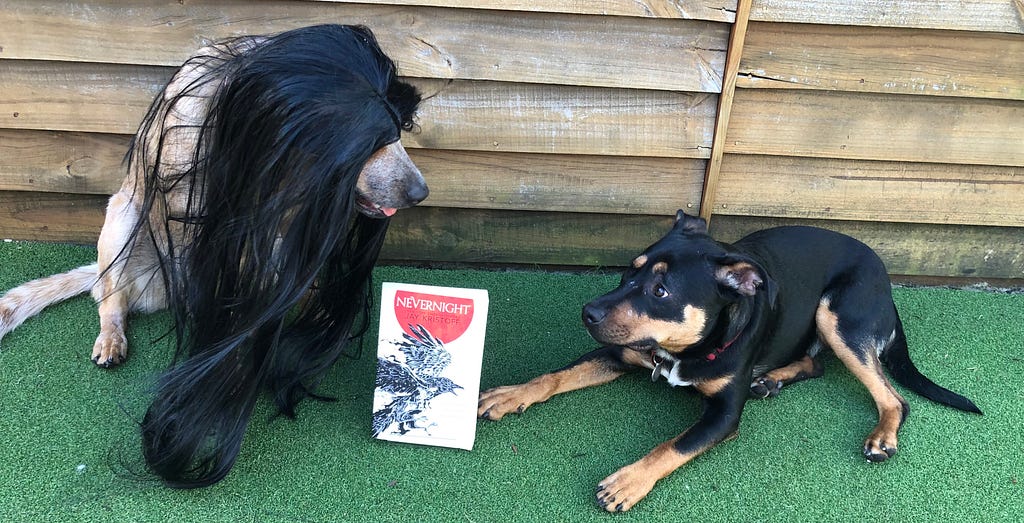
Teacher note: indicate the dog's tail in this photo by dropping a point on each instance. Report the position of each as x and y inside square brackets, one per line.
[29, 299]
[897, 360]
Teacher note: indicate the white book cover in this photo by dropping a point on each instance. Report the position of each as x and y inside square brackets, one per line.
[429, 353]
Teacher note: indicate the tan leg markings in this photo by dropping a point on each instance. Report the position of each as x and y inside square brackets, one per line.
[628, 485]
[772, 381]
[495, 403]
[882, 442]
[714, 386]
[790, 372]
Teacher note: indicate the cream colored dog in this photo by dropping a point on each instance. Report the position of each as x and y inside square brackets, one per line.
[267, 167]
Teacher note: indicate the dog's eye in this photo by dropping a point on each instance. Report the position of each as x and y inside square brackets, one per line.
[660, 291]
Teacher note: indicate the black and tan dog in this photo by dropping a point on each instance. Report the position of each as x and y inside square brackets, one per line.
[736, 321]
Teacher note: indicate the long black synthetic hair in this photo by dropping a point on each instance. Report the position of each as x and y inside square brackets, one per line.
[268, 267]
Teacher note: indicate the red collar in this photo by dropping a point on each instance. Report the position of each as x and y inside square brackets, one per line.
[714, 354]
[711, 356]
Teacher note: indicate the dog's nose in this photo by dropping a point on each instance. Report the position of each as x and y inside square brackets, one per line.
[593, 315]
[416, 193]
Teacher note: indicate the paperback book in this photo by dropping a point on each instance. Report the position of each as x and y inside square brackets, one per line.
[429, 354]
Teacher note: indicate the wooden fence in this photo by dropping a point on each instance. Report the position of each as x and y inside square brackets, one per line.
[568, 133]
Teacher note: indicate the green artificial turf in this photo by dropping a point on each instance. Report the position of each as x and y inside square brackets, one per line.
[66, 430]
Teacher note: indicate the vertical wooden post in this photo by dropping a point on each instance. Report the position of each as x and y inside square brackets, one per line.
[732, 66]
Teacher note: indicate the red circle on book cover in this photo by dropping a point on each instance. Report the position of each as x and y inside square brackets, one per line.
[445, 317]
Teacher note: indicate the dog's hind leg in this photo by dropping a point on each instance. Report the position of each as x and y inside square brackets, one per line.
[770, 383]
[850, 332]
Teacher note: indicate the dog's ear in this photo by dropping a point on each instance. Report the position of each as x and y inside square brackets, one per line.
[686, 224]
[745, 276]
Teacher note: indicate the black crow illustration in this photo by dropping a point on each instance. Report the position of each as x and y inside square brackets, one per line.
[412, 383]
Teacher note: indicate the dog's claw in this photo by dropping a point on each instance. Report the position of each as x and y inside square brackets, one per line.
[110, 349]
[764, 388]
[878, 454]
[496, 403]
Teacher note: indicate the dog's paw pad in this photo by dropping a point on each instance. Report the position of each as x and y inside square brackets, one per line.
[110, 349]
[765, 388]
[625, 488]
[878, 451]
[495, 403]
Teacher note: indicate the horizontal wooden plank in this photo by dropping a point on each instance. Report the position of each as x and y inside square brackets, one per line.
[47, 161]
[65, 96]
[424, 234]
[868, 126]
[444, 235]
[883, 60]
[110, 98]
[684, 55]
[753, 185]
[88, 163]
[825, 188]
[492, 116]
[913, 249]
[714, 10]
[1002, 16]
[569, 183]
[57, 217]
[473, 236]
[632, 53]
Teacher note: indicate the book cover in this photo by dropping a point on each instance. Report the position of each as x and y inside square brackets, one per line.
[429, 353]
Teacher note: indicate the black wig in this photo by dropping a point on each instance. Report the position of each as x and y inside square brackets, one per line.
[268, 266]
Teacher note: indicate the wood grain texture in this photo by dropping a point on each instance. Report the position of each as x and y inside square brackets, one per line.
[824, 188]
[829, 124]
[64, 96]
[914, 249]
[1002, 16]
[477, 236]
[559, 182]
[47, 161]
[567, 133]
[87, 163]
[493, 236]
[669, 54]
[714, 10]
[883, 60]
[732, 64]
[55, 217]
[492, 116]
[473, 236]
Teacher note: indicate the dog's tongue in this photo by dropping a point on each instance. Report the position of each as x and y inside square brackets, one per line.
[388, 211]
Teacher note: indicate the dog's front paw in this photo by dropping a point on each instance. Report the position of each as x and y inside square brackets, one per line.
[495, 403]
[623, 489]
[880, 446]
[110, 349]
